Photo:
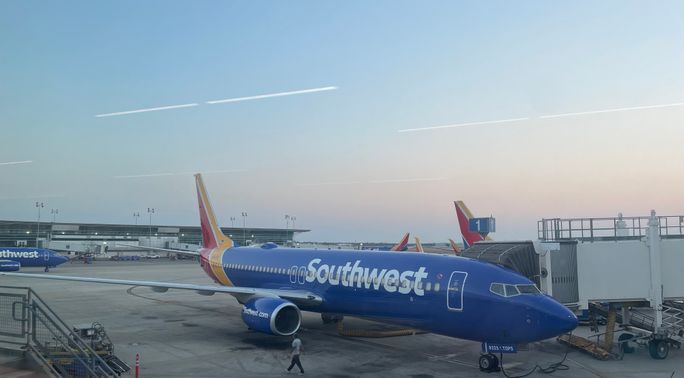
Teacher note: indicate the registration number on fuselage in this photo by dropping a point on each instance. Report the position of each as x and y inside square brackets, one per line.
[498, 348]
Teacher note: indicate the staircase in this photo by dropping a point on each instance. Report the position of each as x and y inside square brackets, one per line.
[29, 326]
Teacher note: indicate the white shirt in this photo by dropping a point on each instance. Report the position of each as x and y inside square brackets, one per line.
[296, 346]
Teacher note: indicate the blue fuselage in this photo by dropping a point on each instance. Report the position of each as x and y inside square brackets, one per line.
[442, 294]
[32, 257]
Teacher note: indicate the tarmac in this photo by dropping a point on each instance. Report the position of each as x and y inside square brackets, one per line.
[182, 334]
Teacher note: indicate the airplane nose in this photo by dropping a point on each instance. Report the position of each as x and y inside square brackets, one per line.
[564, 320]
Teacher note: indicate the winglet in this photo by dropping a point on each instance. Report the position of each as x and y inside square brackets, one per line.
[402, 245]
[419, 246]
[454, 246]
[212, 237]
[464, 215]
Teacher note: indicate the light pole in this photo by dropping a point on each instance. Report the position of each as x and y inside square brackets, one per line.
[150, 210]
[136, 215]
[293, 219]
[39, 205]
[287, 221]
[54, 213]
[232, 221]
[244, 227]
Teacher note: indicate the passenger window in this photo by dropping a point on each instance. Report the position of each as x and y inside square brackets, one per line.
[419, 285]
[511, 291]
[428, 286]
[437, 286]
[497, 289]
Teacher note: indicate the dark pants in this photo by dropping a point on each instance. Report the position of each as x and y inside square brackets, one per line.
[295, 360]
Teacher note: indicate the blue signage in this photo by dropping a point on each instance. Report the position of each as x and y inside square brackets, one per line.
[482, 225]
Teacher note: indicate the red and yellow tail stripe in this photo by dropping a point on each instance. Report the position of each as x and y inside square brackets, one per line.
[215, 242]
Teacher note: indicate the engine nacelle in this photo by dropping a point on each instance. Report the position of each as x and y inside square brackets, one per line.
[272, 315]
[9, 266]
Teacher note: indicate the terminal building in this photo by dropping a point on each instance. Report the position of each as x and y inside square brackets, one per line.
[99, 237]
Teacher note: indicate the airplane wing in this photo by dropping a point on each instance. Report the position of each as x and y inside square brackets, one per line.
[194, 253]
[242, 294]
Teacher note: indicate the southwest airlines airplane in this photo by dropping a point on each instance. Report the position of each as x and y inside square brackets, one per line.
[12, 259]
[453, 296]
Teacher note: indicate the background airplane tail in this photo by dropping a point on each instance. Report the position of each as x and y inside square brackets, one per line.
[402, 245]
[212, 237]
[419, 245]
[464, 215]
[454, 246]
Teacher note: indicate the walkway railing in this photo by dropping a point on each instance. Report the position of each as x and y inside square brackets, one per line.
[27, 322]
[596, 229]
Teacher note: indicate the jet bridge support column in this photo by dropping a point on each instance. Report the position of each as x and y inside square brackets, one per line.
[656, 292]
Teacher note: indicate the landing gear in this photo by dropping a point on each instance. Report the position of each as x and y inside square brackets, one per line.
[488, 363]
[658, 349]
[47, 268]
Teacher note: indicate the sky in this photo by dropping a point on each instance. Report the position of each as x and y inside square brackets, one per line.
[555, 109]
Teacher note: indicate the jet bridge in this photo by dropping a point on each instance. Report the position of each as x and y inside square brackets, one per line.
[632, 264]
[628, 263]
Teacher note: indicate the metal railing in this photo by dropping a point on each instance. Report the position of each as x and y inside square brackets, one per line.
[617, 228]
[28, 322]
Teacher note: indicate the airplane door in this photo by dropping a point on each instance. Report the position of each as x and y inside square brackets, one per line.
[46, 257]
[455, 291]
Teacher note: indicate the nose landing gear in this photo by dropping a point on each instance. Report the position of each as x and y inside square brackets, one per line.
[489, 363]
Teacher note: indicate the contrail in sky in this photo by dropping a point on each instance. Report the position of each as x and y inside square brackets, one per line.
[223, 101]
[146, 110]
[17, 162]
[279, 94]
[464, 124]
[387, 181]
[179, 173]
[548, 116]
[612, 110]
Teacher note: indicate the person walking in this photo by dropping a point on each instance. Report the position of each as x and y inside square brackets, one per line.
[296, 351]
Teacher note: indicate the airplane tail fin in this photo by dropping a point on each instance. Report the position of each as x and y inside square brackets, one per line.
[464, 215]
[454, 246]
[419, 246]
[212, 237]
[402, 245]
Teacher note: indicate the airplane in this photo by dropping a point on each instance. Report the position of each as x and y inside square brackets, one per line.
[454, 246]
[14, 258]
[464, 215]
[402, 245]
[453, 296]
[419, 245]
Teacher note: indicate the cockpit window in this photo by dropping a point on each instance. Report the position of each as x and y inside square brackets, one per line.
[507, 290]
[528, 289]
[511, 290]
[497, 288]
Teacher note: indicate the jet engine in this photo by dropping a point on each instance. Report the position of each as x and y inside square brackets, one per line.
[9, 266]
[272, 315]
